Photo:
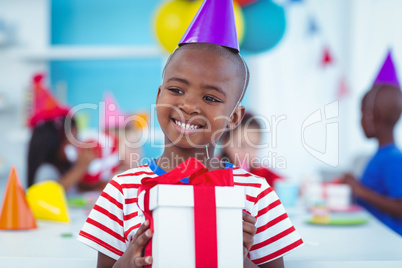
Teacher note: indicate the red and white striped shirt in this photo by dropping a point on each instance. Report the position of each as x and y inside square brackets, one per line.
[115, 218]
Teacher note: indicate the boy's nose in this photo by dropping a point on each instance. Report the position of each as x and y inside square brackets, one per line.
[189, 105]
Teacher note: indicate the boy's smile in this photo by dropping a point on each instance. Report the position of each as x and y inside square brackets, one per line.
[196, 98]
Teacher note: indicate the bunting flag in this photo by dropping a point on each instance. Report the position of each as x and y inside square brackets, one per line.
[343, 89]
[326, 58]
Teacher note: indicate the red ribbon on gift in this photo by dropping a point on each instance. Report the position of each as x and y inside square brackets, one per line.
[204, 182]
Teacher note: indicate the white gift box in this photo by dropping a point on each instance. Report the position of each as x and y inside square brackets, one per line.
[336, 196]
[339, 196]
[172, 209]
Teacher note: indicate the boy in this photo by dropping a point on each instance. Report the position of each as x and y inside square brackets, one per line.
[380, 188]
[203, 84]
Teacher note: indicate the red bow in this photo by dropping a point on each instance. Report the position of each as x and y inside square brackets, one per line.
[204, 182]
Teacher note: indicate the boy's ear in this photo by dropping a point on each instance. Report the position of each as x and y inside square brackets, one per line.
[236, 117]
[157, 95]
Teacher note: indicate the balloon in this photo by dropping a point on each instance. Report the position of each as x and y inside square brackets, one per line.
[171, 21]
[48, 201]
[245, 2]
[173, 18]
[264, 26]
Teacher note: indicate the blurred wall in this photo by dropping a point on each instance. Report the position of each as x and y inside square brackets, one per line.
[320, 131]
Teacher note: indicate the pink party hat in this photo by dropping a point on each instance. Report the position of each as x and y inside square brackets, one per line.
[214, 23]
[113, 117]
[387, 74]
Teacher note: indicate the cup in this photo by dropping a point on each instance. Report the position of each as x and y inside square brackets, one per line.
[288, 192]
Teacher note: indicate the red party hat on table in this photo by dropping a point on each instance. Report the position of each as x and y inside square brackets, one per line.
[16, 213]
[214, 23]
[387, 74]
[45, 106]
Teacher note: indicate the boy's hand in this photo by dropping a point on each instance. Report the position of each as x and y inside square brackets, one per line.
[354, 184]
[132, 257]
[249, 231]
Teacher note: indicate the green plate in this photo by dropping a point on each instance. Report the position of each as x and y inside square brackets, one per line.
[342, 221]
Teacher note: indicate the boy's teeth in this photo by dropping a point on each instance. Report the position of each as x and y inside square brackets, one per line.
[185, 126]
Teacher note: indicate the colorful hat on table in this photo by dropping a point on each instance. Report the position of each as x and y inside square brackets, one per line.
[45, 105]
[387, 74]
[214, 23]
[113, 117]
[15, 213]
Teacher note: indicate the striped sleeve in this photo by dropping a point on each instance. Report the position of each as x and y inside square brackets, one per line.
[104, 228]
[275, 235]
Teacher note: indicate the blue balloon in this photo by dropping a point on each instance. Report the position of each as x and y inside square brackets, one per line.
[265, 25]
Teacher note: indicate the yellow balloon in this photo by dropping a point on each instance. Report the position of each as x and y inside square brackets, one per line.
[173, 18]
[48, 201]
[239, 21]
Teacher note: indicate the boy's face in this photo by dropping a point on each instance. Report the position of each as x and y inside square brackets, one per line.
[198, 94]
[367, 116]
[243, 148]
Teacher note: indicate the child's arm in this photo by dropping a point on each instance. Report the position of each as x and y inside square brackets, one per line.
[75, 174]
[132, 257]
[391, 206]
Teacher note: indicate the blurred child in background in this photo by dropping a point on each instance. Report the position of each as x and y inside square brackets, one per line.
[52, 132]
[380, 188]
[240, 147]
[47, 158]
[126, 129]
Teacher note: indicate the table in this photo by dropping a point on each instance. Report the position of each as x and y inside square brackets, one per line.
[46, 247]
[368, 245]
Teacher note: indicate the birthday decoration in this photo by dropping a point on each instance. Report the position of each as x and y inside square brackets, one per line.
[245, 2]
[214, 23]
[173, 18]
[15, 212]
[113, 117]
[265, 26]
[140, 120]
[326, 58]
[45, 106]
[48, 201]
[312, 27]
[387, 74]
[343, 89]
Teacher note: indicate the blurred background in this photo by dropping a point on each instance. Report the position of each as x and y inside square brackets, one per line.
[311, 61]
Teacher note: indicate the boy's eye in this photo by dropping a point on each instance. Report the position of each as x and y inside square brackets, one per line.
[176, 90]
[212, 99]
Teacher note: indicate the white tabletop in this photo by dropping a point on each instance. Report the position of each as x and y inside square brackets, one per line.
[46, 246]
[368, 245]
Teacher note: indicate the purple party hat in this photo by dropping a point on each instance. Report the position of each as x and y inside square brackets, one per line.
[214, 23]
[387, 74]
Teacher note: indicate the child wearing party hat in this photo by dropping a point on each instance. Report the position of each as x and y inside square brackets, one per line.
[203, 83]
[380, 187]
[51, 126]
